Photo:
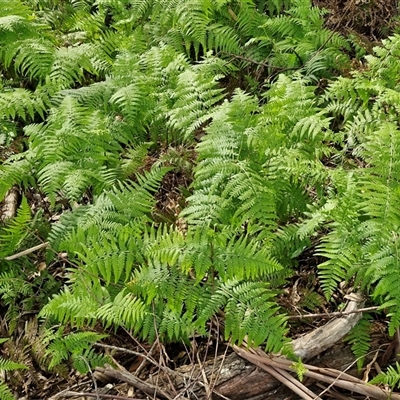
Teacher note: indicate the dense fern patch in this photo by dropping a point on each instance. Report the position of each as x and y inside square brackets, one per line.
[102, 102]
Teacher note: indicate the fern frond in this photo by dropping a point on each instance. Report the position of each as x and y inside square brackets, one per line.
[195, 95]
[15, 231]
[250, 312]
[15, 172]
[20, 103]
[74, 345]
[360, 340]
[126, 310]
[193, 19]
[70, 65]
[34, 58]
[7, 365]
[5, 392]
[391, 377]
[343, 252]
[75, 307]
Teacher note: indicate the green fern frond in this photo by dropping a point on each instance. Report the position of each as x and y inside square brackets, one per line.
[223, 38]
[193, 19]
[89, 360]
[5, 392]
[360, 340]
[111, 258]
[125, 310]
[7, 365]
[195, 95]
[15, 172]
[15, 231]
[76, 307]
[34, 58]
[20, 103]
[250, 312]
[343, 251]
[75, 345]
[71, 64]
[391, 377]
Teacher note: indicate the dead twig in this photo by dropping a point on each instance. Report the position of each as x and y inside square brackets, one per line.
[152, 361]
[327, 375]
[27, 251]
[101, 395]
[127, 377]
[278, 373]
[334, 314]
[204, 375]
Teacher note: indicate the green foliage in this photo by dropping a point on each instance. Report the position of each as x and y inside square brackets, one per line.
[362, 242]
[171, 284]
[14, 231]
[300, 369]
[22, 286]
[391, 377]
[6, 366]
[74, 347]
[360, 339]
[105, 93]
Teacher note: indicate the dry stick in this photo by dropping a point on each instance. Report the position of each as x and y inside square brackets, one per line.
[288, 380]
[203, 372]
[334, 394]
[127, 377]
[143, 363]
[347, 382]
[334, 314]
[103, 395]
[322, 338]
[60, 394]
[152, 361]
[127, 351]
[220, 366]
[336, 374]
[27, 251]
[92, 376]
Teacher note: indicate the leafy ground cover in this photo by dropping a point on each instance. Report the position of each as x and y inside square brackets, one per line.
[168, 167]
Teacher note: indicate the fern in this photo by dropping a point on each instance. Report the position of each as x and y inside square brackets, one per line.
[15, 231]
[5, 366]
[74, 346]
[102, 92]
[391, 377]
[359, 338]
[247, 313]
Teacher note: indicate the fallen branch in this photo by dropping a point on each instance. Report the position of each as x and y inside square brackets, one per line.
[328, 375]
[324, 337]
[95, 395]
[127, 377]
[10, 204]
